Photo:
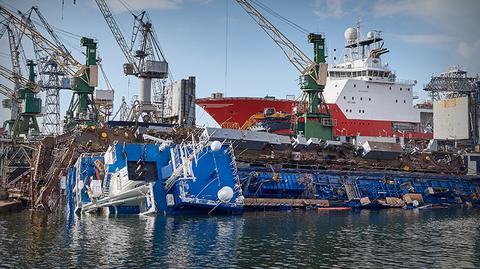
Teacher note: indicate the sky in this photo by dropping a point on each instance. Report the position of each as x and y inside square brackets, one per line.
[424, 37]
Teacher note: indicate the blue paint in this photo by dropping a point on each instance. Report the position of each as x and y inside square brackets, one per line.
[195, 192]
[320, 184]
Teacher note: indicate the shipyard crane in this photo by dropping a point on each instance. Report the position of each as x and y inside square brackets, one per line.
[26, 120]
[15, 61]
[315, 120]
[50, 72]
[146, 63]
[82, 109]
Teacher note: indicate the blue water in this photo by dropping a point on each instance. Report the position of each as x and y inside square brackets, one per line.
[433, 238]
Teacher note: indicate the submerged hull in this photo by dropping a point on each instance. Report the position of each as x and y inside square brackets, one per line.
[156, 179]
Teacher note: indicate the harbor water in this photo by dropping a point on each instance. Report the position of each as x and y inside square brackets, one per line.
[440, 238]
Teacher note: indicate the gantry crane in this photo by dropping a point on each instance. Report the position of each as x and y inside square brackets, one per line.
[314, 120]
[50, 72]
[82, 109]
[146, 63]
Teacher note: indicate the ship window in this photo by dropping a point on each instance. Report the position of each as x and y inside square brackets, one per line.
[404, 101]
[353, 98]
[396, 101]
[368, 86]
[400, 89]
[364, 73]
[369, 99]
[359, 111]
[408, 89]
[335, 85]
[344, 96]
[390, 88]
[354, 85]
[361, 98]
[363, 111]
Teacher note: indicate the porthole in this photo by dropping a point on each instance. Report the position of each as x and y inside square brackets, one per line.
[369, 99]
[361, 98]
[396, 101]
[368, 86]
[404, 101]
[390, 88]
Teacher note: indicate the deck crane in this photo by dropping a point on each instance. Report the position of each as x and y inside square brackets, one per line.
[26, 120]
[146, 63]
[82, 109]
[314, 120]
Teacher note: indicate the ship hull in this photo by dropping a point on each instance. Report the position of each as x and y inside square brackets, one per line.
[233, 112]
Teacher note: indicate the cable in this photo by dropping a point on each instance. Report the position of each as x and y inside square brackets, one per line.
[226, 46]
[285, 20]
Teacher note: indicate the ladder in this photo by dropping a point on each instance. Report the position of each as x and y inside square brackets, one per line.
[351, 187]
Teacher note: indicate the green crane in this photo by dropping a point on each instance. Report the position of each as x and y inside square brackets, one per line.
[82, 109]
[26, 120]
[312, 117]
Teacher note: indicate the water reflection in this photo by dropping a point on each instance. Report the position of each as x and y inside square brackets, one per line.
[297, 239]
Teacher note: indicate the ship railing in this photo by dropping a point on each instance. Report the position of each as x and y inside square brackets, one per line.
[233, 165]
[182, 157]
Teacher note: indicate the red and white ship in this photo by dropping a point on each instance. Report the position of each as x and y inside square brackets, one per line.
[363, 95]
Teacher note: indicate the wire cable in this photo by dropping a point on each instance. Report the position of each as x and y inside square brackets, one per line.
[226, 47]
[280, 17]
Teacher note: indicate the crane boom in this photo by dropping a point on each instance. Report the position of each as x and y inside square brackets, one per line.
[314, 120]
[61, 57]
[14, 77]
[7, 92]
[117, 34]
[50, 31]
[296, 56]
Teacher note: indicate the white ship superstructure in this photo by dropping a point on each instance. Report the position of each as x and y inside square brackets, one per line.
[365, 96]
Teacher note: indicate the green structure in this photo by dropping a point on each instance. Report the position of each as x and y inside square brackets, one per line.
[26, 121]
[82, 109]
[315, 120]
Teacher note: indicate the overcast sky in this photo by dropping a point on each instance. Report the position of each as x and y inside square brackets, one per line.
[425, 37]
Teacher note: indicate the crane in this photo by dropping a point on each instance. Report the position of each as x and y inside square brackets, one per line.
[82, 109]
[50, 72]
[314, 120]
[146, 63]
[26, 120]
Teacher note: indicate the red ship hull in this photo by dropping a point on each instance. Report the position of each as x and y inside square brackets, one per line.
[233, 112]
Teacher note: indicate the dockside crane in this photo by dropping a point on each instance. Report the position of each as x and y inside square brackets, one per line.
[82, 109]
[147, 62]
[314, 120]
[25, 122]
[51, 74]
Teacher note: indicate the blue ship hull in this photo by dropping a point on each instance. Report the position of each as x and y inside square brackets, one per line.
[333, 186]
[156, 179]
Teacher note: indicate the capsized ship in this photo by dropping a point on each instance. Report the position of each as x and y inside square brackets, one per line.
[363, 95]
[156, 178]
